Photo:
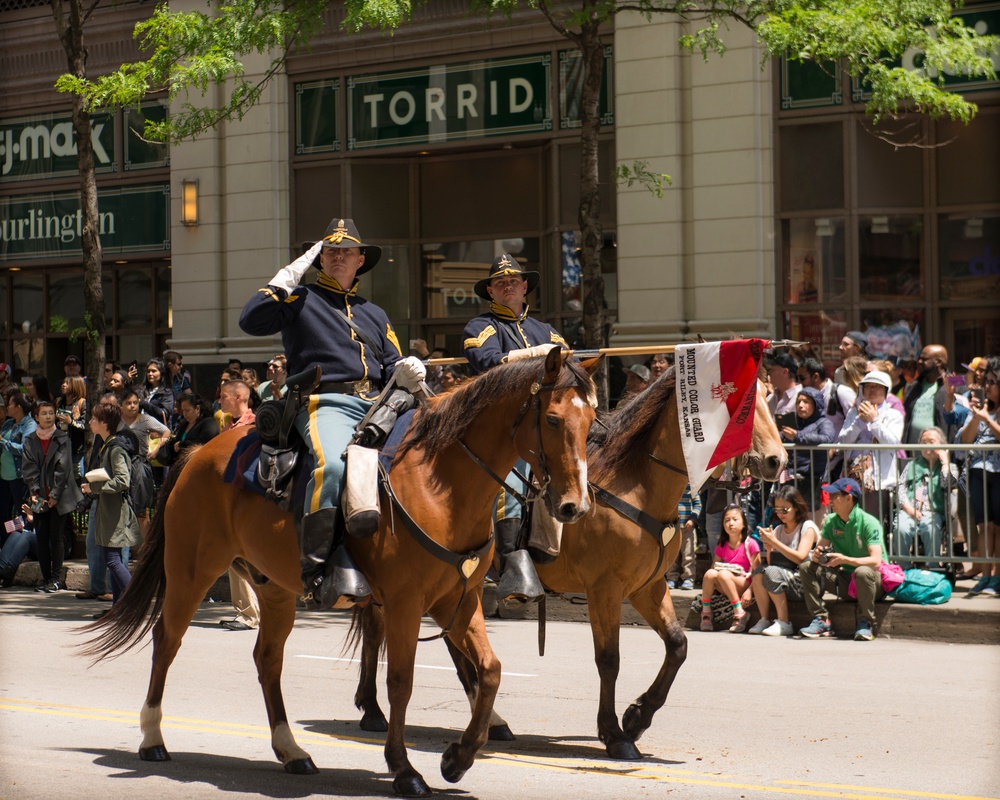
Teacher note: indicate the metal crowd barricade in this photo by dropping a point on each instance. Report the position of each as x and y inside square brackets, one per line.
[957, 528]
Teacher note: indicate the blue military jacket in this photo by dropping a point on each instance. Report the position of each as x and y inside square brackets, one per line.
[313, 333]
[489, 337]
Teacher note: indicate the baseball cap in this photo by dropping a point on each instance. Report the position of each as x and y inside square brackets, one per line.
[977, 363]
[879, 378]
[858, 338]
[638, 369]
[844, 486]
[72, 359]
[5, 367]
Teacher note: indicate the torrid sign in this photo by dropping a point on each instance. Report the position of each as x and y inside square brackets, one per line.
[445, 103]
[45, 146]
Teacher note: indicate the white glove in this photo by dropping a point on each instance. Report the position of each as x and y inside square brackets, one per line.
[529, 352]
[410, 372]
[291, 276]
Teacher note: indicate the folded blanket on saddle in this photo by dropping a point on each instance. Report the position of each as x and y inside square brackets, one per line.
[241, 471]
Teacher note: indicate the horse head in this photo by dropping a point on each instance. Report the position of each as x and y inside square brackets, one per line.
[767, 456]
[551, 434]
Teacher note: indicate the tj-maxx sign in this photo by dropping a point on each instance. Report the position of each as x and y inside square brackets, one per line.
[45, 146]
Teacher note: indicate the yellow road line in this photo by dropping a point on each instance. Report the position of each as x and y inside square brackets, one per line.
[591, 767]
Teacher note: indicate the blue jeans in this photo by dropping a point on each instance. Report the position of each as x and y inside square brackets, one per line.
[117, 571]
[95, 558]
[327, 424]
[929, 530]
[506, 505]
[15, 547]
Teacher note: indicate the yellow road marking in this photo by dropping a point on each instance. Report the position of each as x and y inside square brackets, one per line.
[641, 771]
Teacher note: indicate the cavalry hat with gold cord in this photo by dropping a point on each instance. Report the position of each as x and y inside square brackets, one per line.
[505, 264]
[343, 233]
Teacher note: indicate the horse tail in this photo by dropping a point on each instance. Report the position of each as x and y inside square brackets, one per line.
[364, 623]
[138, 609]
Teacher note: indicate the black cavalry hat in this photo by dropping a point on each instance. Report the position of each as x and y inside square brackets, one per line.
[505, 264]
[343, 233]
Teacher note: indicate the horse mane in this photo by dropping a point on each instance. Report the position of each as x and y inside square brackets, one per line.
[617, 442]
[443, 420]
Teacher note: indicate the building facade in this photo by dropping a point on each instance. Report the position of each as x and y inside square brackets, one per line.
[457, 139]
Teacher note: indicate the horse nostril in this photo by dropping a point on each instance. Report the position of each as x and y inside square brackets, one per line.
[773, 464]
[567, 510]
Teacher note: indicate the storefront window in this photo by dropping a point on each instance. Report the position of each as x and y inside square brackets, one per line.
[66, 304]
[894, 332]
[968, 161]
[970, 257]
[814, 260]
[380, 200]
[135, 298]
[388, 286]
[824, 330]
[890, 263]
[4, 315]
[28, 305]
[889, 176]
[164, 311]
[812, 166]
[451, 270]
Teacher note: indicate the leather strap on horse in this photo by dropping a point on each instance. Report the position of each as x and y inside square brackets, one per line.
[465, 563]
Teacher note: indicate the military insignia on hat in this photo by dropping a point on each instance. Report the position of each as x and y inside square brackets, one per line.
[343, 233]
[505, 264]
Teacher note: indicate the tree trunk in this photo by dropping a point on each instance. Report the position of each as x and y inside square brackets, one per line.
[70, 28]
[591, 241]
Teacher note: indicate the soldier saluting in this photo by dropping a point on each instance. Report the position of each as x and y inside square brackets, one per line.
[506, 333]
[351, 339]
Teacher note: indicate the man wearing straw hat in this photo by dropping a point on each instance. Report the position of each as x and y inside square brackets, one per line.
[506, 333]
[351, 339]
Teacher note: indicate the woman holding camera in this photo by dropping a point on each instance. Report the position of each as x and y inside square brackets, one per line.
[47, 469]
[785, 546]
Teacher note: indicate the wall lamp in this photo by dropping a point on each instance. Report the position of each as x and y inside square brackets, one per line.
[189, 201]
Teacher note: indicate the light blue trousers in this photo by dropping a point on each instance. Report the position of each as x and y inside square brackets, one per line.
[506, 505]
[327, 424]
[929, 530]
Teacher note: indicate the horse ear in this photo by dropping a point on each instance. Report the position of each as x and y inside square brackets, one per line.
[553, 361]
[591, 364]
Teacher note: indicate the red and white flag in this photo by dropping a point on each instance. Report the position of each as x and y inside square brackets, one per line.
[716, 400]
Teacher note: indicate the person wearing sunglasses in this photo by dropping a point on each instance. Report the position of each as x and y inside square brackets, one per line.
[786, 545]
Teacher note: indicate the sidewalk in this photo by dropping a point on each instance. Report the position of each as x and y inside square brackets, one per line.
[962, 620]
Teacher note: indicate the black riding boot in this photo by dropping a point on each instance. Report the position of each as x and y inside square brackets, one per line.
[327, 576]
[518, 579]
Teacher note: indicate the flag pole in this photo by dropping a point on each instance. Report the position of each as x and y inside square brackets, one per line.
[637, 350]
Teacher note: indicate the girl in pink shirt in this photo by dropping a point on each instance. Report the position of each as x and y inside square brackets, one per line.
[736, 557]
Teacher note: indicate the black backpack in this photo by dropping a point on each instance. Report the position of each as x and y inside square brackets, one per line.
[141, 489]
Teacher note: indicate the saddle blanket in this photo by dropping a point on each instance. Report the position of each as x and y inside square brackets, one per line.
[241, 471]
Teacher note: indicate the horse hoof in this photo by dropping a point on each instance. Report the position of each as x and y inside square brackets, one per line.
[374, 722]
[501, 733]
[155, 753]
[410, 784]
[632, 723]
[301, 766]
[624, 750]
[450, 770]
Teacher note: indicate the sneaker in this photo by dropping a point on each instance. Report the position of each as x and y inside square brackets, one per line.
[780, 628]
[671, 585]
[993, 587]
[817, 628]
[740, 622]
[980, 587]
[51, 587]
[762, 624]
[864, 633]
[688, 584]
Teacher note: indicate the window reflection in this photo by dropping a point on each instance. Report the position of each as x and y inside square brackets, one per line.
[893, 332]
[814, 260]
[451, 270]
[822, 329]
[890, 257]
[970, 256]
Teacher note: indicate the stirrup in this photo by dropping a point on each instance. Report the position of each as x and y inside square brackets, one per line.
[519, 580]
[343, 579]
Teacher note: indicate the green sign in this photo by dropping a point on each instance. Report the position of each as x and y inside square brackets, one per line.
[984, 20]
[316, 116]
[44, 146]
[571, 87]
[449, 102]
[141, 153]
[806, 84]
[133, 219]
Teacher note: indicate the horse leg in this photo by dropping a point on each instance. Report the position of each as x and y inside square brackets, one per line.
[459, 756]
[605, 625]
[179, 606]
[656, 607]
[499, 730]
[401, 633]
[277, 615]
[366, 696]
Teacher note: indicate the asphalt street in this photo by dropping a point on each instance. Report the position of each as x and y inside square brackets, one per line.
[748, 717]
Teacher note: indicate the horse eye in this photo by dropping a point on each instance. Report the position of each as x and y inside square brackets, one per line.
[552, 420]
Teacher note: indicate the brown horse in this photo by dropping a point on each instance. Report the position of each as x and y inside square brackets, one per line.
[537, 409]
[638, 458]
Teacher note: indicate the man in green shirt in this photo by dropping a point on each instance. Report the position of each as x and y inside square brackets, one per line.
[851, 546]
